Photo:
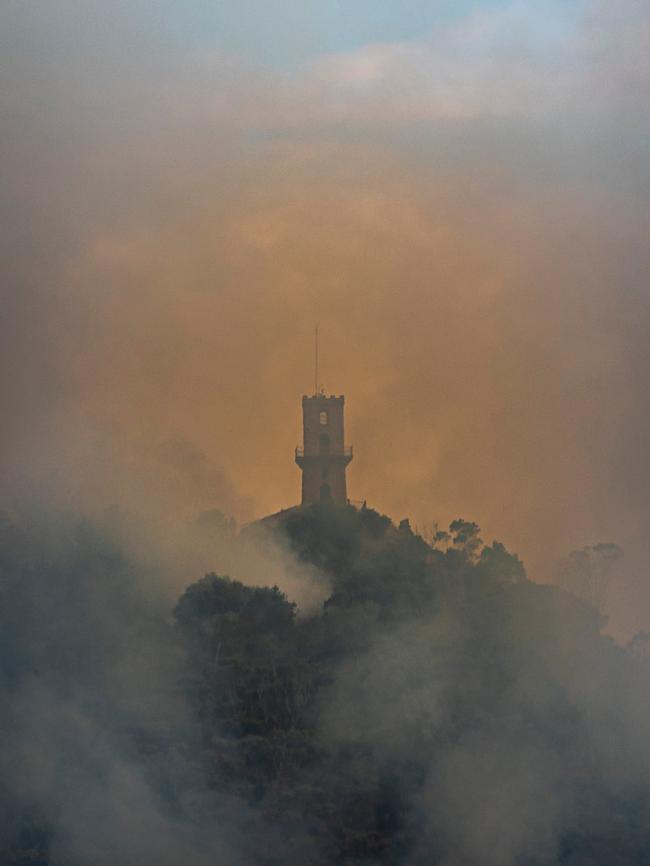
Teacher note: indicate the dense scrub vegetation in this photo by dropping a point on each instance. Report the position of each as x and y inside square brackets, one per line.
[437, 687]
[439, 709]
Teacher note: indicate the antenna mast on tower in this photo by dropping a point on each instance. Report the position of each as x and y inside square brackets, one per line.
[316, 361]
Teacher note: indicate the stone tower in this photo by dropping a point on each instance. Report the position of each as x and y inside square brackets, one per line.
[324, 456]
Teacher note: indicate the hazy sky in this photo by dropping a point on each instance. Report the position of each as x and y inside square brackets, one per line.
[457, 192]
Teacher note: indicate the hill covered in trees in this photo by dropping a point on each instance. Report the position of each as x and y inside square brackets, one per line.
[439, 708]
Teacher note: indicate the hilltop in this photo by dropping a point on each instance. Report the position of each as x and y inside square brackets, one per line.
[439, 709]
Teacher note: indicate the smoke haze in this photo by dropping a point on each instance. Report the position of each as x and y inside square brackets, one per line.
[464, 212]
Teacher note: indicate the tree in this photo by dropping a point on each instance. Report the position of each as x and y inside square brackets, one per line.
[465, 537]
[588, 572]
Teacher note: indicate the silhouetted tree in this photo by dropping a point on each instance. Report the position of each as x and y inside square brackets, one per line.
[588, 572]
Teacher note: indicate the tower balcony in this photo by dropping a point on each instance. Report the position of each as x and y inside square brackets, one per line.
[344, 455]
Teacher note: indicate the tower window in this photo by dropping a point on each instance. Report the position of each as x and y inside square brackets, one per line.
[323, 418]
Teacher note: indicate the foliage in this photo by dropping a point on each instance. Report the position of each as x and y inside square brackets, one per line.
[439, 709]
[418, 656]
[588, 572]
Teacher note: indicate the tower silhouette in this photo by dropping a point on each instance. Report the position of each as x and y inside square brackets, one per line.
[323, 456]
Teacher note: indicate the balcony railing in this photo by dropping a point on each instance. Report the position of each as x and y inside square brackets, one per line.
[345, 452]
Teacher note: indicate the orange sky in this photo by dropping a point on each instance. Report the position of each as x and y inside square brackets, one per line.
[476, 258]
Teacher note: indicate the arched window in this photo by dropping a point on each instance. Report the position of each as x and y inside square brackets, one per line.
[323, 418]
